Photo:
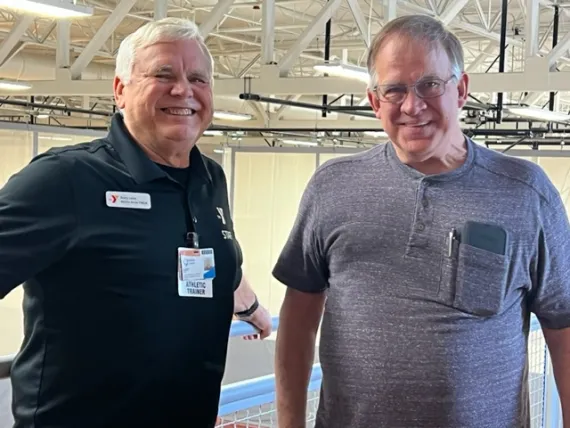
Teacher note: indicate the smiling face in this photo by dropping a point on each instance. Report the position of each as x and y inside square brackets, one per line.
[421, 129]
[168, 100]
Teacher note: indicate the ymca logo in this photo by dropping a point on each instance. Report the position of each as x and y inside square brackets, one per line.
[221, 215]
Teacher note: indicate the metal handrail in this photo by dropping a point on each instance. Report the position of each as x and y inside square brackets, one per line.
[238, 328]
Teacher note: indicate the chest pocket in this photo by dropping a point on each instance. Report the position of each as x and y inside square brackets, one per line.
[475, 280]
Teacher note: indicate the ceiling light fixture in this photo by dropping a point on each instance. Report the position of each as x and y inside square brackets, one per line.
[213, 133]
[228, 115]
[51, 8]
[300, 143]
[13, 85]
[539, 114]
[344, 70]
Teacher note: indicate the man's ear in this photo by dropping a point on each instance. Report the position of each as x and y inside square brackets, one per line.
[118, 92]
[462, 90]
[374, 102]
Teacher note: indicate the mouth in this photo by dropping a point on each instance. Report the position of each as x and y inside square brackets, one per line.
[416, 125]
[175, 111]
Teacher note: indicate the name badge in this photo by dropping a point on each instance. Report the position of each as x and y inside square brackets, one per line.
[137, 201]
[196, 272]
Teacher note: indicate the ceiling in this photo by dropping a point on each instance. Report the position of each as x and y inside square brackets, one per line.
[269, 48]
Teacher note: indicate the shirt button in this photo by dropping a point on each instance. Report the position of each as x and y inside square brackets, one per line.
[421, 227]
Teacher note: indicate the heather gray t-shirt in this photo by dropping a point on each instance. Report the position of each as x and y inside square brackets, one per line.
[410, 336]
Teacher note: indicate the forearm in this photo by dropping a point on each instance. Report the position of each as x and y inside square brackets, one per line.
[559, 347]
[294, 356]
[244, 296]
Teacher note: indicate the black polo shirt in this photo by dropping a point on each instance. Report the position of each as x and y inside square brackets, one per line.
[109, 342]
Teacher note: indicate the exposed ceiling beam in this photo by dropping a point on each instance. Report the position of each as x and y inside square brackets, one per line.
[269, 84]
[104, 32]
[11, 41]
[359, 20]
[452, 11]
[390, 10]
[308, 35]
[532, 28]
[160, 9]
[215, 16]
[62, 52]
[267, 32]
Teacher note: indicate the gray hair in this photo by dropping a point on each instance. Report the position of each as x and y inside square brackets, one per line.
[422, 28]
[167, 29]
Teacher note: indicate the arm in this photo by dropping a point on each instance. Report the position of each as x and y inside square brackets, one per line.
[550, 296]
[558, 342]
[295, 348]
[244, 301]
[37, 220]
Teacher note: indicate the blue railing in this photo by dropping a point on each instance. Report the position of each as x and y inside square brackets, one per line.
[241, 396]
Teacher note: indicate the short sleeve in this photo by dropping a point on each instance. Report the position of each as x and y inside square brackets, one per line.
[302, 263]
[37, 220]
[550, 300]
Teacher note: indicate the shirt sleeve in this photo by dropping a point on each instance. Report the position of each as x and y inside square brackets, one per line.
[37, 220]
[302, 263]
[550, 300]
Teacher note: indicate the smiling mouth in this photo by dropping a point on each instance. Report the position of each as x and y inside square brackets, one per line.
[179, 111]
[416, 125]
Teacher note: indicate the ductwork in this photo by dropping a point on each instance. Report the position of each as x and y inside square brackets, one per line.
[28, 67]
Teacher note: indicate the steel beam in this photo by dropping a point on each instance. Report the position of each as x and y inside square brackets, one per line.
[104, 32]
[62, 51]
[359, 20]
[532, 28]
[390, 10]
[267, 31]
[160, 9]
[11, 41]
[485, 53]
[308, 35]
[215, 16]
[452, 11]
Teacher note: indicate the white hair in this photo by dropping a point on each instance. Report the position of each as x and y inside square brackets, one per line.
[422, 28]
[167, 29]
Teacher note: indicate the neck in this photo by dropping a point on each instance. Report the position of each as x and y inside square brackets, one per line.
[451, 156]
[166, 152]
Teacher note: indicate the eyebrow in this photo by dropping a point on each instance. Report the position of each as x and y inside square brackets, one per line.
[422, 77]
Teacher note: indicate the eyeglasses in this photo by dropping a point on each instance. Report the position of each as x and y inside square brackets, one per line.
[429, 87]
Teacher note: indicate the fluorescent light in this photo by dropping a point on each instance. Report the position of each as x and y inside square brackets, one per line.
[218, 151]
[344, 70]
[228, 115]
[42, 116]
[539, 114]
[13, 85]
[52, 8]
[376, 134]
[208, 132]
[300, 143]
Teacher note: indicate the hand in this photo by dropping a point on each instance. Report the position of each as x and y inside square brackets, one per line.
[261, 320]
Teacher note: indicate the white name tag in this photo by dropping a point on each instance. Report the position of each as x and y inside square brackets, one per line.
[137, 201]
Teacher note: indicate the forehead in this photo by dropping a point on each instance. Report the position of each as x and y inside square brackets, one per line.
[185, 54]
[401, 59]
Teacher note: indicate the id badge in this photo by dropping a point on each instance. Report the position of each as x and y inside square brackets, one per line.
[196, 271]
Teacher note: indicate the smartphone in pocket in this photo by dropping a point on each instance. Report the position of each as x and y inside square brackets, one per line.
[489, 237]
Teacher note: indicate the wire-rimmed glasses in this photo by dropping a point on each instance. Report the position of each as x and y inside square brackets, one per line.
[425, 88]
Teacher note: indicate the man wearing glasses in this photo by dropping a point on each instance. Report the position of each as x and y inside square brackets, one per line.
[427, 256]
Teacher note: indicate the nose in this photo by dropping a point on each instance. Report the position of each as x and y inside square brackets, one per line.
[412, 104]
[182, 88]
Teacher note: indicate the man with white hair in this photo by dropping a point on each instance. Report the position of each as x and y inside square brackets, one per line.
[126, 249]
[427, 256]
